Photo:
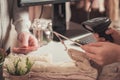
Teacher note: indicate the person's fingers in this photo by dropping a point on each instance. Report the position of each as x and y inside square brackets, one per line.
[23, 50]
[89, 49]
[96, 44]
[94, 58]
[101, 39]
[33, 41]
[96, 35]
[98, 38]
[110, 31]
[23, 38]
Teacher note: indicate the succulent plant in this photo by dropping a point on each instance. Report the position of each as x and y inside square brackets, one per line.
[18, 64]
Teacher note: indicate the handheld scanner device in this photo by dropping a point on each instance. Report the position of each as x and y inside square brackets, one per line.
[98, 25]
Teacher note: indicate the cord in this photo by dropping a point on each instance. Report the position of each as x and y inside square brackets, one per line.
[42, 8]
[89, 9]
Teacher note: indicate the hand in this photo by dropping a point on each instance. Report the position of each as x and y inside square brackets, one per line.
[102, 53]
[115, 35]
[27, 43]
[99, 39]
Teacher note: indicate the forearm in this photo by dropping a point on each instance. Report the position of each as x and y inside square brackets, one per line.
[21, 18]
[21, 26]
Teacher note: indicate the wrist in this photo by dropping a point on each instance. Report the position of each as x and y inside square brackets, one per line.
[22, 26]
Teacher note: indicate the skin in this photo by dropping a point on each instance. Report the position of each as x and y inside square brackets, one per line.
[114, 33]
[27, 43]
[104, 52]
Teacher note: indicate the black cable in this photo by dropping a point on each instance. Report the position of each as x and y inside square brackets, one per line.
[91, 2]
[42, 8]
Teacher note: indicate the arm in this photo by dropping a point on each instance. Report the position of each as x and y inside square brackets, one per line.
[21, 18]
[103, 53]
[115, 34]
[111, 31]
[22, 24]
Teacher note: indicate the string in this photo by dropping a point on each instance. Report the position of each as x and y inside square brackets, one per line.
[60, 40]
[64, 37]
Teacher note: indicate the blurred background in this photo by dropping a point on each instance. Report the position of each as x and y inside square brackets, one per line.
[82, 10]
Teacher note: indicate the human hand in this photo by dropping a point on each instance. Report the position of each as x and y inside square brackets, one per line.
[115, 35]
[98, 38]
[111, 31]
[27, 43]
[102, 53]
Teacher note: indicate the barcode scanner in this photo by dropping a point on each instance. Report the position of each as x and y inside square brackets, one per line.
[98, 25]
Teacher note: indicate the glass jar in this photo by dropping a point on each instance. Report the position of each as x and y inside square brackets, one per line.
[48, 33]
[42, 30]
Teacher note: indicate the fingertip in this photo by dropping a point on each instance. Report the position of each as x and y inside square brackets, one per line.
[82, 46]
[96, 35]
[109, 31]
[85, 47]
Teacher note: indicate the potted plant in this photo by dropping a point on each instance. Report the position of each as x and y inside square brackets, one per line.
[2, 58]
[18, 66]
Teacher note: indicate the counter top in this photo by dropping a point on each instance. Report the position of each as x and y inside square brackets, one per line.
[57, 50]
[59, 54]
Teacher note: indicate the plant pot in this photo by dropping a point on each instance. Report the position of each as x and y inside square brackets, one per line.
[1, 71]
[22, 77]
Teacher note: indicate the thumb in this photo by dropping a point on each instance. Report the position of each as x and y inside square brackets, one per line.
[110, 31]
